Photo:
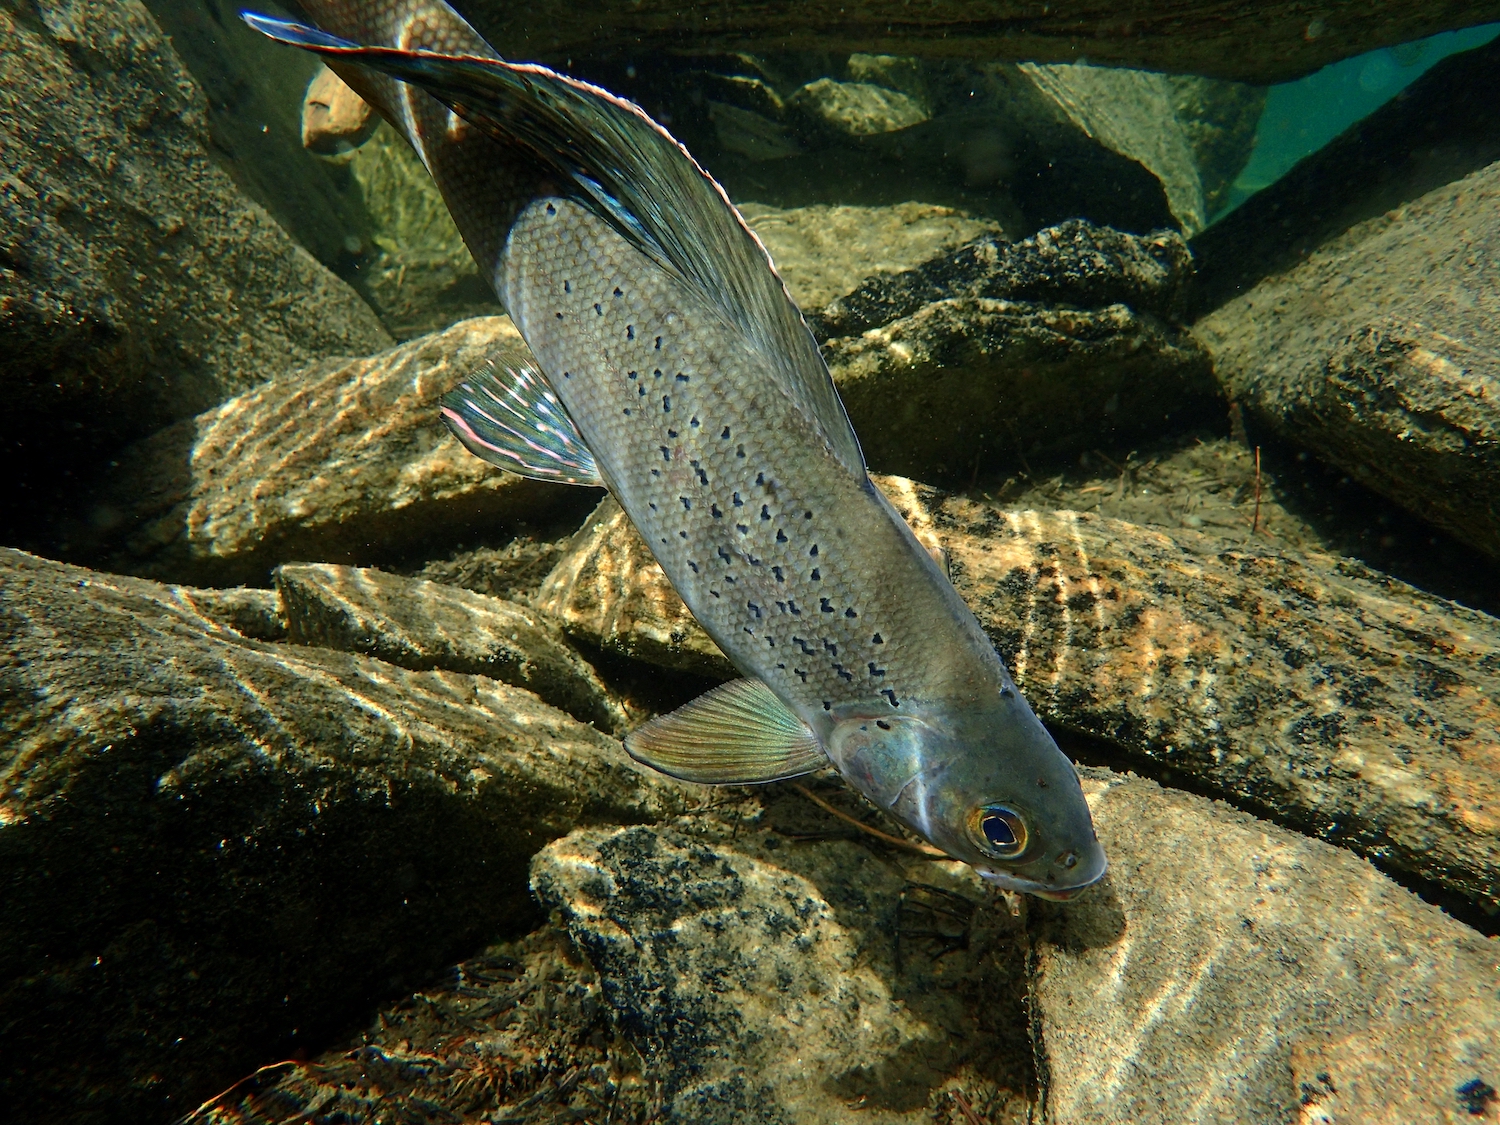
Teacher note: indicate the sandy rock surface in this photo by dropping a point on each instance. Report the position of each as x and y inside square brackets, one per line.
[1382, 353]
[424, 625]
[1353, 706]
[1231, 971]
[345, 462]
[227, 846]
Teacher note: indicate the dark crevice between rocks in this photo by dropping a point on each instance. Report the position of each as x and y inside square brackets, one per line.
[1090, 751]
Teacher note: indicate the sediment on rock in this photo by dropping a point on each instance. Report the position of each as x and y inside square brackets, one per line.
[217, 850]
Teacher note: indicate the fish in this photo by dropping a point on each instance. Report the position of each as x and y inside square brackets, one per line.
[674, 368]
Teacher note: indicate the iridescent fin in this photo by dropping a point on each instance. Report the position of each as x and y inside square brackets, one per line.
[510, 417]
[635, 176]
[737, 734]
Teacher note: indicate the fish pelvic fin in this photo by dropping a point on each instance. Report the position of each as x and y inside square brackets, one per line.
[633, 174]
[737, 734]
[509, 417]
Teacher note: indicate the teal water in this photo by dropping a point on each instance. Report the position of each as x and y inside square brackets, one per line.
[1302, 116]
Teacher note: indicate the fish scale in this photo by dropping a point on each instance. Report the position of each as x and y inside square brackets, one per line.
[693, 389]
[754, 528]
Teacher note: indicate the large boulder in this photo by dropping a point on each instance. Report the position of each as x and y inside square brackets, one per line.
[346, 461]
[1346, 703]
[137, 284]
[1260, 43]
[217, 850]
[1230, 971]
[1381, 352]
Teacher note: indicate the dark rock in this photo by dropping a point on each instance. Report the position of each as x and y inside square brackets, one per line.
[137, 284]
[514, 572]
[972, 383]
[342, 462]
[767, 983]
[1258, 43]
[1381, 352]
[216, 851]
[1441, 128]
[1343, 702]
[1230, 971]
[1076, 264]
[423, 625]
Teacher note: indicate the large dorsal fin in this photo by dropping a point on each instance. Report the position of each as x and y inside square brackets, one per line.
[631, 172]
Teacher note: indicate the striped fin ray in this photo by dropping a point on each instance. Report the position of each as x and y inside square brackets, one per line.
[509, 417]
[635, 176]
[738, 733]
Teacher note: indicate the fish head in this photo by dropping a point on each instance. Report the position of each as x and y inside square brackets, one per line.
[981, 780]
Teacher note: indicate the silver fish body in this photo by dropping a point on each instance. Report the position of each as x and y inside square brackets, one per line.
[692, 380]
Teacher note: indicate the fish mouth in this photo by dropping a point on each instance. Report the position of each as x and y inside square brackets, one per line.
[1040, 890]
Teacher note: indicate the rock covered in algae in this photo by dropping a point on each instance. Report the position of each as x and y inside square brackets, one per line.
[138, 284]
[1230, 971]
[1381, 352]
[422, 625]
[346, 461]
[1351, 704]
[216, 849]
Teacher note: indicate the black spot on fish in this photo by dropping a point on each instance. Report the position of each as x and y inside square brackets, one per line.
[827, 706]
[658, 343]
[891, 695]
[666, 454]
[598, 308]
[695, 423]
[742, 529]
[693, 565]
[824, 606]
[617, 292]
[687, 505]
[781, 606]
[558, 315]
[666, 403]
[844, 673]
[630, 332]
[723, 554]
[816, 576]
[877, 639]
[782, 667]
[567, 287]
[830, 647]
[792, 608]
[656, 472]
[874, 671]
[776, 570]
[671, 433]
[814, 552]
[729, 578]
[656, 374]
[682, 535]
[755, 609]
[630, 374]
[714, 509]
[749, 630]
[681, 378]
[882, 724]
[551, 210]
[627, 411]
[740, 452]
[765, 512]
[807, 515]
[738, 503]
[715, 593]
[653, 505]
[780, 535]
[803, 645]
[802, 673]
[642, 391]
[760, 478]
[567, 374]
[725, 434]
[850, 613]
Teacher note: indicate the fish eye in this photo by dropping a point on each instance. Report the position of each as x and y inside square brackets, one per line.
[998, 830]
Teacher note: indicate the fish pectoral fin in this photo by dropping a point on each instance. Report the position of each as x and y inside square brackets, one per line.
[737, 734]
[509, 417]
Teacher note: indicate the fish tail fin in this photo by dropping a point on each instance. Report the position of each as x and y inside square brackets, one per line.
[509, 417]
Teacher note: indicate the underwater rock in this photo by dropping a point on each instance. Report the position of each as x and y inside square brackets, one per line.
[215, 850]
[423, 625]
[856, 109]
[1074, 263]
[823, 252]
[1219, 122]
[334, 118]
[609, 591]
[1261, 43]
[138, 285]
[513, 572]
[1230, 971]
[1381, 352]
[346, 461]
[763, 980]
[1347, 704]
